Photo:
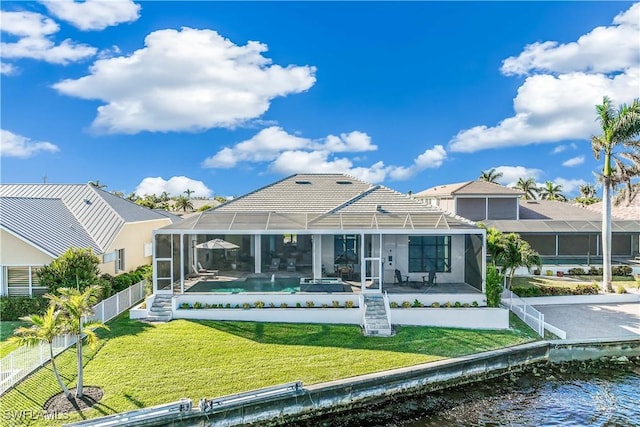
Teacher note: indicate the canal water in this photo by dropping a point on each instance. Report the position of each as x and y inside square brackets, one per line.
[563, 397]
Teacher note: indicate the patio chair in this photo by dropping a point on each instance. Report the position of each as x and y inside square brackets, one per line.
[205, 272]
[275, 264]
[291, 264]
[430, 279]
[398, 278]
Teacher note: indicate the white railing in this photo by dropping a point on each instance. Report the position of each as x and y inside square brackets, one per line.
[26, 359]
[524, 311]
[387, 307]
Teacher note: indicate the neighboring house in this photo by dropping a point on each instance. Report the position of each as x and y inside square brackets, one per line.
[562, 233]
[39, 222]
[324, 225]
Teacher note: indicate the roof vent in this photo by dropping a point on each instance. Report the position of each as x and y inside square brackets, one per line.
[344, 182]
[303, 182]
[87, 201]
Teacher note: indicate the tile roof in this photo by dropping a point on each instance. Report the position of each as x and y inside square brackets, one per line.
[469, 188]
[101, 214]
[322, 201]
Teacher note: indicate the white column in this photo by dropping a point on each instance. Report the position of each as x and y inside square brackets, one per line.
[257, 248]
[316, 256]
[181, 263]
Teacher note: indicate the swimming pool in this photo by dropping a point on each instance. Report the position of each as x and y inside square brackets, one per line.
[265, 284]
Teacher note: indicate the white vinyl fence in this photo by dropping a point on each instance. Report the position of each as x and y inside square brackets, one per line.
[524, 311]
[26, 359]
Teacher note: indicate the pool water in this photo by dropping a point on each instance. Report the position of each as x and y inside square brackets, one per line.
[250, 284]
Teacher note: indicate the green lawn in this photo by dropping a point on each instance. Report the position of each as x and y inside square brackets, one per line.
[6, 330]
[138, 364]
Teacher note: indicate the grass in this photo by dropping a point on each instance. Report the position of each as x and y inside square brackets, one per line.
[6, 330]
[139, 365]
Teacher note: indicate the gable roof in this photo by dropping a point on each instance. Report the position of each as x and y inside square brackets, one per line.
[469, 188]
[319, 202]
[100, 214]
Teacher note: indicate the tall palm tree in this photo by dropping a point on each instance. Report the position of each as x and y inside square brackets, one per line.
[529, 187]
[620, 130]
[551, 191]
[189, 192]
[490, 175]
[587, 191]
[75, 306]
[43, 329]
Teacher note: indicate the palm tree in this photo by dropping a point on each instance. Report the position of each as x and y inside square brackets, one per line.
[619, 132]
[189, 192]
[529, 187]
[164, 197]
[588, 191]
[43, 329]
[74, 306]
[626, 195]
[516, 252]
[183, 203]
[551, 191]
[490, 175]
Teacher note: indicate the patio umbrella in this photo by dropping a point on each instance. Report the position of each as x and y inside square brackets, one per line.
[217, 244]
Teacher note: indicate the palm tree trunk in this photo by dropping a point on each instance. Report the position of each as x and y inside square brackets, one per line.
[55, 371]
[606, 236]
[79, 354]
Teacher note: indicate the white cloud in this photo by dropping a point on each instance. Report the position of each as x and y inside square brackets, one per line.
[564, 147]
[225, 85]
[569, 185]
[289, 154]
[7, 69]
[12, 145]
[94, 14]
[511, 174]
[603, 50]
[574, 161]
[175, 186]
[557, 102]
[34, 32]
[270, 143]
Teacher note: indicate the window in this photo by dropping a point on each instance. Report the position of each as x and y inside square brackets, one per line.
[427, 253]
[345, 248]
[119, 260]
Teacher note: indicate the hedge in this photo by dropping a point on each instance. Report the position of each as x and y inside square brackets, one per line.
[13, 308]
[547, 291]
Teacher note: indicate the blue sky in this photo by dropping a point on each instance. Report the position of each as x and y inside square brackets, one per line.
[225, 97]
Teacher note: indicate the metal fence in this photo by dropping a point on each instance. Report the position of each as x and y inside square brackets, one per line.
[26, 359]
[524, 311]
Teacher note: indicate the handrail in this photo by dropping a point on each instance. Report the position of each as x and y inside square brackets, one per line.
[137, 416]
[387, 307]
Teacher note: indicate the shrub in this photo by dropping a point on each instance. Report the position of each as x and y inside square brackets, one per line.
[298, 305]
[536, 291]
[348, 304]
[284, 305]
[621, 270]
[549, 272]
[457, 304]
[393, 304]
[447, 305]
[576, 271]
[227, 305]
[474, 304]
[258, 304]
[620, 289]
[406, 304]
[325, 305]
[272, 305]
[185, 305]
[416, 303]
[197, 305]
[335, 304]
[121, 282]
[246, 306]
[435, 304]
[593, 271]
[494, 286]
[310, 304]
[13, 308]
[466, 305]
